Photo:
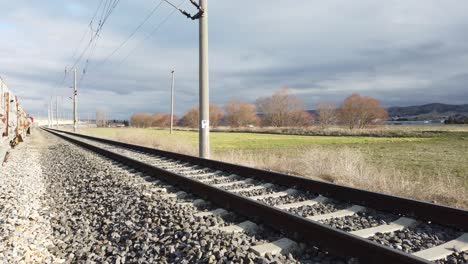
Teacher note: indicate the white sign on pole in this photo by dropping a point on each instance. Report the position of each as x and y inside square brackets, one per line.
[205, 124]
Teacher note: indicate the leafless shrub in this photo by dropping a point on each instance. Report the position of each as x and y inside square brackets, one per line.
[283, 109]
[190, 119]
[101, 117]
[140, 120]
[361, 111]
[240, 114]
[327, 114]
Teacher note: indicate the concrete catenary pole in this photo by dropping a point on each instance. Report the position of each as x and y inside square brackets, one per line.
[75, 103]
[172, 100]
[51, 103]
[56, 111]
[204, 115]
[48, 114]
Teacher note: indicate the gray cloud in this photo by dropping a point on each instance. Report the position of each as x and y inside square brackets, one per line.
[402, 52]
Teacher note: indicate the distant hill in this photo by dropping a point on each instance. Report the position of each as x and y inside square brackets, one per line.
[434, 110]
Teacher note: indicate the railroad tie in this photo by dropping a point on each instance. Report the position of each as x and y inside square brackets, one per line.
[180, 194]
[274, 195]
[191, 168]
[196, 203]
[248, 189]
[205, 174]
[246, 226]
[459, 244]
[338, 214]
[280, 246]
[318, 199]
[217, 212]
[207, 180]
[399, 224]
[226, 184]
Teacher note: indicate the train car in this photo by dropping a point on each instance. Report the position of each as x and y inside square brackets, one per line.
[15, 123]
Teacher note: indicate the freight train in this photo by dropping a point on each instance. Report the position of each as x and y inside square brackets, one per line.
[15, 123]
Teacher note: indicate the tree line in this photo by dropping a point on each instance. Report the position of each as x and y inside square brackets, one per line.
[281, 109]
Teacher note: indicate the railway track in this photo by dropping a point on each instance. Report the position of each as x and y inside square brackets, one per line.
[373, 227]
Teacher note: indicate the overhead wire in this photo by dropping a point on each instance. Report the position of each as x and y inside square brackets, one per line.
[122, 44]
[151, 33]
[155, 29]
[89, 27]
[109, 7]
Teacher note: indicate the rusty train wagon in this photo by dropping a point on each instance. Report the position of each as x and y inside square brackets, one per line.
[15, 123]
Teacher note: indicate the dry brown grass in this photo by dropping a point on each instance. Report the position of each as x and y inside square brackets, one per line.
[348, 167]
[140, 137]
[375, 131]
[342, 165]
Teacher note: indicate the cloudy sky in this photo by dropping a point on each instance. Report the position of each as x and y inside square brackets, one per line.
[402, 52]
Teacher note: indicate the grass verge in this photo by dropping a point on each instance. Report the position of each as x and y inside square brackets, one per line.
[430, 169]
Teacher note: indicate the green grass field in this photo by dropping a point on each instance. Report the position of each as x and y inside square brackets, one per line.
[226, 140]
[443, 155]
[447, 151]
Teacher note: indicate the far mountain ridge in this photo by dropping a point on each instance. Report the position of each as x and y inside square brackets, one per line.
[428, 109]
[432, 111]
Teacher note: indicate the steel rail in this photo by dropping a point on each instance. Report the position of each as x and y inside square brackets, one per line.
[434, 213]
[296, 227]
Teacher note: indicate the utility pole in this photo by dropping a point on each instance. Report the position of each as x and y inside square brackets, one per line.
[56, 111]
[48, 114]
[204, 103]
[204, 117]
[75, 105]
[51, 106]
[172, 100]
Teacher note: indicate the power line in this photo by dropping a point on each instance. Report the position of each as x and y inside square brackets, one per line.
[89, 27]
[122, 44]
[109, 7]
[155, 29]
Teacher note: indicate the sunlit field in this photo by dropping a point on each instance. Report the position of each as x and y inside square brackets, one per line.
[433, 167]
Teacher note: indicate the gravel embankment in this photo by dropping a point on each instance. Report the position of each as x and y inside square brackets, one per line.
[25, 231]
[106, 214]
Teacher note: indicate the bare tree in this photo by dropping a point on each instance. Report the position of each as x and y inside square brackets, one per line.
[216, 114]
[141, 120]
[190, 119]
[361, 111]
[101, 117]
[327, 114]
[240, 113]
[282, 109]
[301, 119]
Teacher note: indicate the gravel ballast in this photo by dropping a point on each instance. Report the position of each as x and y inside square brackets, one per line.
[104, 213]
[360, 220]
[318, 209]
[415, 239]
[287, 199]
[25, 231]
[455, 258]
